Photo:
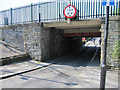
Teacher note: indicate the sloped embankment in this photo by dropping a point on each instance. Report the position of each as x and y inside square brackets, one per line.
[8, 54]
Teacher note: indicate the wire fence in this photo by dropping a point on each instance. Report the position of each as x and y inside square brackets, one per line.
[53, 11]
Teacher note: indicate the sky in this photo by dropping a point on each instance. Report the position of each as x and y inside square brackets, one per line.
[7, 4]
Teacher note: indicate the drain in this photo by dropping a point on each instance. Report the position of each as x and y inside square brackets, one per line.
[63, 74]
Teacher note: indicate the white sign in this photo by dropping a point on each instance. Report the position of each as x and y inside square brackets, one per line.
[70, 11]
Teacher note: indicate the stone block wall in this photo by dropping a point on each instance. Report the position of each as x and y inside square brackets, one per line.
[40, 42]
[113, 37]
[56, 42]
[31, 39]
[52, 42]
[1, 37]
[14, 36]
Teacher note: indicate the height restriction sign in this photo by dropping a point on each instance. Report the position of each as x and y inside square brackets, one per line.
[70, 11]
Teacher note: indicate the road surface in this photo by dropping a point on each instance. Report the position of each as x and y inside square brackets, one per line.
[64, 74]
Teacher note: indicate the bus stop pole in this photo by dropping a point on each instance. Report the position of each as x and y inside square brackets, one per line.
[103, 63]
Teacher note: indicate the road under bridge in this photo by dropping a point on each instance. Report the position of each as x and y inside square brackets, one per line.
[44, 41]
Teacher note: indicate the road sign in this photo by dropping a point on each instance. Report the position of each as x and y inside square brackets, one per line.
[108, 2]
[70, 11]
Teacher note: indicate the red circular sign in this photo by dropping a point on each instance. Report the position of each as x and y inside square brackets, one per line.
[70, 11]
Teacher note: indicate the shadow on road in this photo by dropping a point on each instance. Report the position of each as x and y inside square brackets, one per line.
[80, 57]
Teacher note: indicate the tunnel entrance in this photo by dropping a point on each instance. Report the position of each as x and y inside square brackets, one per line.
[79, 51]
[76, 36]
[85, 49]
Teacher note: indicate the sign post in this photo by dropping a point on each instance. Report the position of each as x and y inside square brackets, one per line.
[106, 3]
[69, 18]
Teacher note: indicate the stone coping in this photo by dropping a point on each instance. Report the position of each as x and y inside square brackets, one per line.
[19, 25]
[111, 18]
[16, 58]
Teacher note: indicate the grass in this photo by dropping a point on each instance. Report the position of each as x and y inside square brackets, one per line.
[39, 61]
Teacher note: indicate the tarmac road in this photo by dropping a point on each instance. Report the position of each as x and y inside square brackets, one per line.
[64, 74]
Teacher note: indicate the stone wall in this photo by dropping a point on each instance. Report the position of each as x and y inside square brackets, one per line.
[1, 37]
[113, 37]
[14, 36]
[51, 42]
[31, 39]
[56, 42]
[40, 42]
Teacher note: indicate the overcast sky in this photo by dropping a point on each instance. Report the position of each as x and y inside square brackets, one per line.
[7, 4]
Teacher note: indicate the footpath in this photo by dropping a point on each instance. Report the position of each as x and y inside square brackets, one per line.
[90, 78]
[23, 67]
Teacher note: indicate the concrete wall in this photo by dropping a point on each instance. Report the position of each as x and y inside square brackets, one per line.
[42, 43]
[113, 37]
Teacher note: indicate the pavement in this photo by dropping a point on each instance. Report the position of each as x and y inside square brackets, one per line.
[91, 77]
[23, 67]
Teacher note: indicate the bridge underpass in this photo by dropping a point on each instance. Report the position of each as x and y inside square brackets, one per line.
[43, 43]
[66, 73]
[63, 74]
[49, 40]
[73, 34]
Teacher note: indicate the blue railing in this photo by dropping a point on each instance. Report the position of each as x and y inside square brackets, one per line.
[53, 11]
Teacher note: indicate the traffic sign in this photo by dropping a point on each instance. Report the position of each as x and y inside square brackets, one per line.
[70, 11]
[108, 2]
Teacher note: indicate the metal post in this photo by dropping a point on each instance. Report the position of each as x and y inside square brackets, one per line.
[103, 64]
[68, 20]
[11, 15]
[31, 12]
[39, 14]
[59, 11]
[119, 7]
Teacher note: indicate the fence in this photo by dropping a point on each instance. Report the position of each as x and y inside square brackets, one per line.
[53, 11]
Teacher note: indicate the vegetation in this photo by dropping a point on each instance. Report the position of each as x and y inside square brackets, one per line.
[116, 12]
[116, 53]
[2, 39]
[39, 61]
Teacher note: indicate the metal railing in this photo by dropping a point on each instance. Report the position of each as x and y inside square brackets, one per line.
[53, 11]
